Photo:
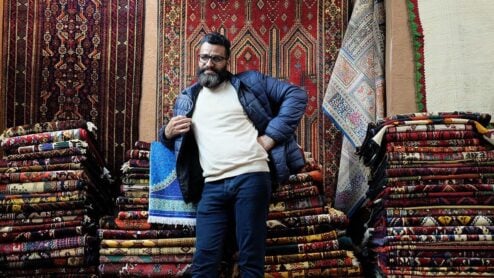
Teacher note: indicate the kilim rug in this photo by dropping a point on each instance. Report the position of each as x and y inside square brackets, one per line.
[453, 54]
[293, 40]
[75, 59]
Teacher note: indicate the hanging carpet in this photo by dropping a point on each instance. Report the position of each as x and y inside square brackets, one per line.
[453, 57]
[76, 60]
[296, 41]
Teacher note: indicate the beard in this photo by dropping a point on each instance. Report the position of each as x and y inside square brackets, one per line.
[212, 80]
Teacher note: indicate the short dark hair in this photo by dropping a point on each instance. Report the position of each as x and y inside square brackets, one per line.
[218, 39]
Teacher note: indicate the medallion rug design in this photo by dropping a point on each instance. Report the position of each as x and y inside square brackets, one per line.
[293, 40]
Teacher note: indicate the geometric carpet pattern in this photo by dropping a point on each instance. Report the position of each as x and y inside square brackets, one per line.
[70, 60]
[296, 41]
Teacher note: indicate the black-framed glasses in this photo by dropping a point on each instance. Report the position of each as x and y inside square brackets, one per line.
[204, 58]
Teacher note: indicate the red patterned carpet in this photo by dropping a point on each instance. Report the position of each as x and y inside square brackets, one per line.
[296, 41]
[76, 59]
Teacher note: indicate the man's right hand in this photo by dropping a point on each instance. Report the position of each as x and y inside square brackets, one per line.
[177, 125]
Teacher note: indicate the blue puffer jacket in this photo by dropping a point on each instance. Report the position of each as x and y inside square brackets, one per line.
[274, 107]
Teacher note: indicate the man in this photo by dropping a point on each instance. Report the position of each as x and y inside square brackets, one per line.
[233, 136]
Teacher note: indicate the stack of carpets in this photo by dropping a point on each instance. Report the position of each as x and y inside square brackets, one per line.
[134, 189]
[431, 195]
[132, 242]
[53, 188]
[305, 236]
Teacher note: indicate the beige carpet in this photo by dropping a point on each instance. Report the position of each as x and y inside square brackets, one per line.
[458, 57]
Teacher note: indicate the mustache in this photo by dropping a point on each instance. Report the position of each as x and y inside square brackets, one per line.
[203, 70]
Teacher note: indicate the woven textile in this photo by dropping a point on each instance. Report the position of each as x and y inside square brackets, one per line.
[354, 96]
[76, 60]
[143, 269]
[66, 271]
[453, 54]
[145, 234]
[147, 251]
[43, 234]
[277, 259]
[431, 212]
[293, 40]
[43, 245]
[143, 243]
[166, 204]
[183, 258]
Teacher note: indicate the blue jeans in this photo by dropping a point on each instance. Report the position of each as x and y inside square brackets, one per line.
[245, 200]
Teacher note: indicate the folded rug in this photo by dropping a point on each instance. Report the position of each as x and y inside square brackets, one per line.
[166, 205]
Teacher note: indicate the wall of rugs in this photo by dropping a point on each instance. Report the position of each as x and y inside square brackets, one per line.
[429, 209]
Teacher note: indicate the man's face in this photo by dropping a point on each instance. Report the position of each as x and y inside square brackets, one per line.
[212, 65]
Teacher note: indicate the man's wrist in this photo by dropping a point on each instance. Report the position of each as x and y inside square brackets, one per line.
[165, 134]
[267, 142]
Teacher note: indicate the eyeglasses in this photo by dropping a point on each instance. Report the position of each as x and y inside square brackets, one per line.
[204, 58]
